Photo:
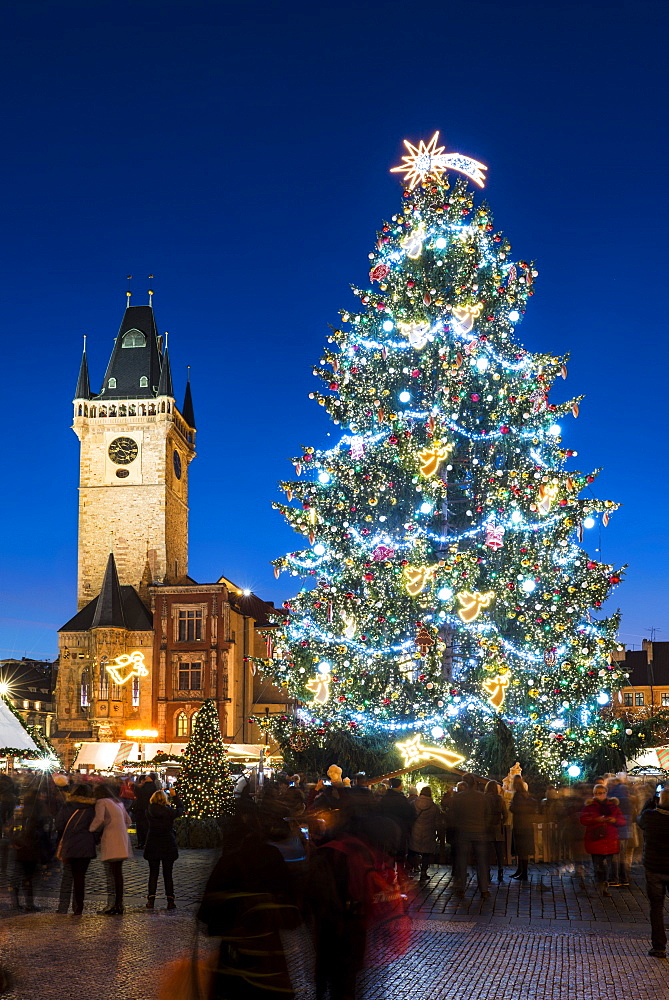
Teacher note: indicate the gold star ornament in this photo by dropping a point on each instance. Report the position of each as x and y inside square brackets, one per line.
[429, 160]
[414, 751]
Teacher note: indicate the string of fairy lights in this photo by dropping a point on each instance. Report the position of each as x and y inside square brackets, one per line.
[445, 579]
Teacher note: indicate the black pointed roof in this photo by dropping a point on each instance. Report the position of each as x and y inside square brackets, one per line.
[135, 614]
[83, 390]
[165, 384]
[136, 358]
[187, 411]
[109, 608]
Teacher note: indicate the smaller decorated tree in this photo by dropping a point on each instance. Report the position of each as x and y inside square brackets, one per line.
[205, 785]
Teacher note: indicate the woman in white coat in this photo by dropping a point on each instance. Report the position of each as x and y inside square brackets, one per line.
[113, 820]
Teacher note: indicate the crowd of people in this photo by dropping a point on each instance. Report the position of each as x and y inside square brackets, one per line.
[46, 820]
[333, 856]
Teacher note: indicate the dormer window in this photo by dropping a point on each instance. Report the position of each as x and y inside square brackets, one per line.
[143, 382]
[133, 338]
[111, 383]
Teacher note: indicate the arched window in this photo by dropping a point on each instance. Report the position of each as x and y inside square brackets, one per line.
[181, 724]
[104, 682]
[133, 338]
[121, 411]
[135, 692]
[143, 382]
[81, 411]
[84, 689]
[192, 721]
[111, 383]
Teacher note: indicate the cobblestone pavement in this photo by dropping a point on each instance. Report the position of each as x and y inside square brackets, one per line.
[549, 938]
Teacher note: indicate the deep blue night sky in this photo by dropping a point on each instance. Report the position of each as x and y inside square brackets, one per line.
[240, 153]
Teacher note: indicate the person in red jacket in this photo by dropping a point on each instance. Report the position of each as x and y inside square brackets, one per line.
[601, 816]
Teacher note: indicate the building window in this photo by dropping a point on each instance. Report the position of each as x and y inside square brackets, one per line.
[26, 704]
[627, 699]
[111, 383]
[190, 676]
[192, 720]
[639, 699]
[135, 692]
[133, 338]
[84, 689]
[665, 699]
[181, 727]
[190, 624]
[104, 682]
[143, 382]
[38, 706]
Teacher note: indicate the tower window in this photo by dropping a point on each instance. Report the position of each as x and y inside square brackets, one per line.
[190, 676]
[135, 692]
[190, 624]
[111, 383]
[84, 689]
[133, 338]
[143, 382]
[104, 681]
[181, 727]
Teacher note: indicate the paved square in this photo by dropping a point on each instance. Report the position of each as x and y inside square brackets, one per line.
[549, 939]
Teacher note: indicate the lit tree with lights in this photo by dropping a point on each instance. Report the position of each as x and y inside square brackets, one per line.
[205, 784]
[446, 590]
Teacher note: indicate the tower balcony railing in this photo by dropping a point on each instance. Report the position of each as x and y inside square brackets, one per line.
[132, 408]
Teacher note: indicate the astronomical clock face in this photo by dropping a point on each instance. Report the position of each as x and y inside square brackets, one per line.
[123, 451]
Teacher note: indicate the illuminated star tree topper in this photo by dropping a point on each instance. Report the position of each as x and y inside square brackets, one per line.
[429, 160]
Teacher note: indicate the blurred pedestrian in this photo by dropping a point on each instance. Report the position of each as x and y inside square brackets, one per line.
[523, 809]
[422, 841]
[497, 818]
[76, 847]
[617, 788]
[31, 845]
[395, 806]
[113, 820]
[654, 821]
[601, 816]
[468, 817]
[161, 847]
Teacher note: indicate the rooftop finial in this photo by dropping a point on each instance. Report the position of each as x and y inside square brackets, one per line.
[188, 373]
[128, 294]
[84, 343]
[166, 336]
[151, 292]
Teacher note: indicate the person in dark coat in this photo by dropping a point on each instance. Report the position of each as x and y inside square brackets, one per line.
[245, 904]
[423, 837]
[31, 846]
[76, 847]
[395, 806]
[654, 821]
[161, 846]
[523, 809]
[143, 793]
[602, 818]
[618, 790]
[497, 819]
[468, 818]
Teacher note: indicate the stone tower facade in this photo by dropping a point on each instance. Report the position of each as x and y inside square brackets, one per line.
[136, 447]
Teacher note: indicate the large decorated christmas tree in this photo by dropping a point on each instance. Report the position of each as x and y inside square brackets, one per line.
[447, 595]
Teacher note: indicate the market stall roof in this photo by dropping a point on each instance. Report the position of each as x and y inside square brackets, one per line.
[13, 735]
[103, 756]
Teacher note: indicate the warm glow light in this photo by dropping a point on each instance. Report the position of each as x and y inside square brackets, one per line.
[4, 688]
[414, 752]
[496, 687]
[472, 604]
[132, 664]
[417, 577]
[141, 734]
[431, 458]
[320, 687]
[429, 160]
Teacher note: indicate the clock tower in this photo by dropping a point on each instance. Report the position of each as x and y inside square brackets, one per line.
[136, 446]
